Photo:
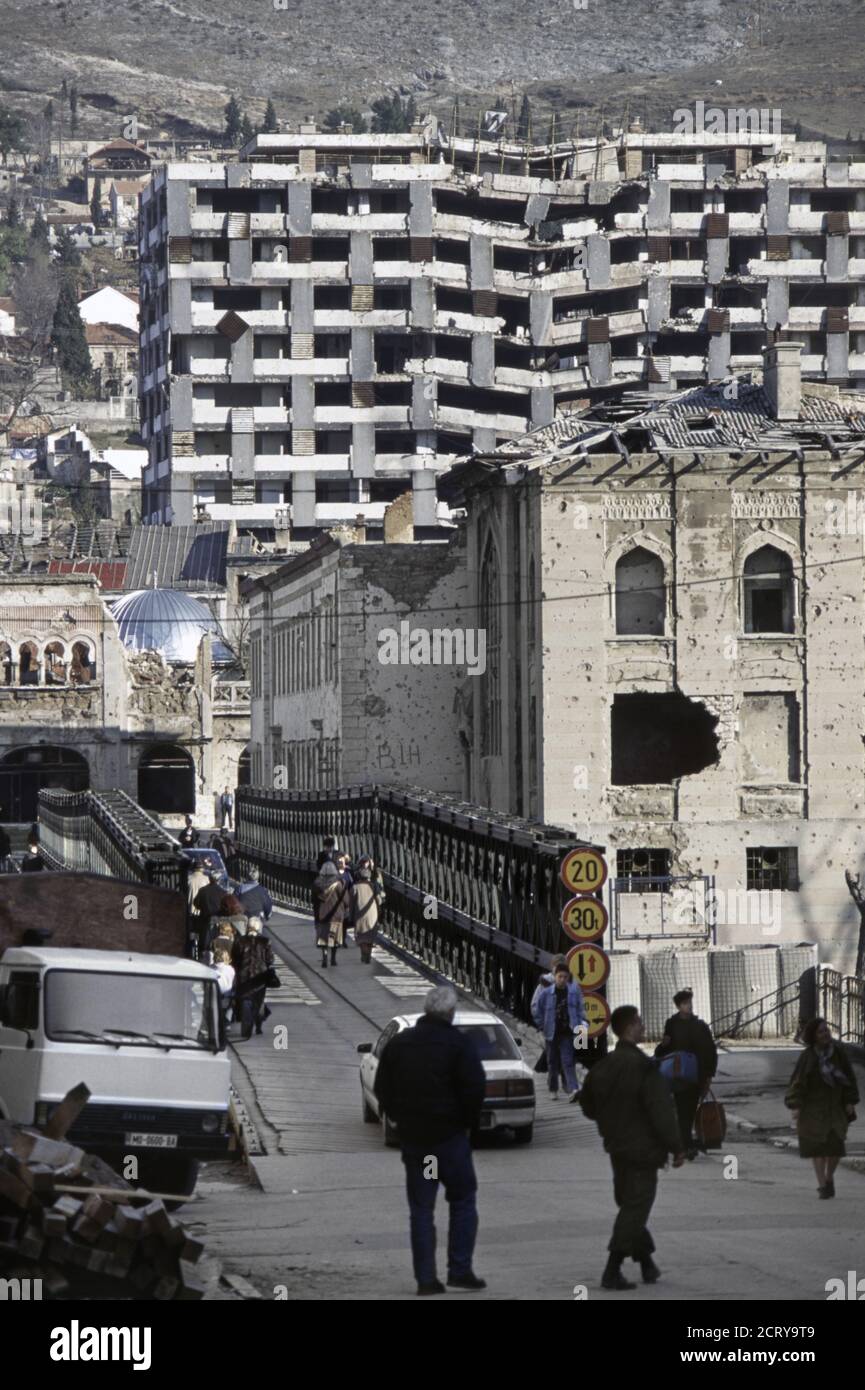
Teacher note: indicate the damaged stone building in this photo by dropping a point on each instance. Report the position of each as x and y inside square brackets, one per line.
[136, 694]
[360, 669]
[673, 590]
[335, 317]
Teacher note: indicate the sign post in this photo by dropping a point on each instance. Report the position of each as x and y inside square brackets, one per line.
[584, 872]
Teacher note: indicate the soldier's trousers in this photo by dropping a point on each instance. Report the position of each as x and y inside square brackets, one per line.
[634, 1190]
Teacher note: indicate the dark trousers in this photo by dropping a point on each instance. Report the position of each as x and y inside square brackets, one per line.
[687, 1099]
[560, 1060]
[448, 1162]
[634, 1190]
[251, 1005]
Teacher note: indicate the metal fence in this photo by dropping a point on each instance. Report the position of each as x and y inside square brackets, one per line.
[107, 833]
[841, 1001]
[476, 897]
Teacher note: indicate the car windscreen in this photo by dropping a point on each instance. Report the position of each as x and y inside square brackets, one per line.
[492, 1040]
[127, 1010]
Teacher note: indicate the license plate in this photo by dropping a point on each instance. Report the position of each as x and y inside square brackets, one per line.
[151, 1141]
[487, 1120]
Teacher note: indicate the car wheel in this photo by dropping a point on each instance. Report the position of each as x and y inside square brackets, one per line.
[369, 1115]
[524, 1134]
[169, 1173]
[390, 1135]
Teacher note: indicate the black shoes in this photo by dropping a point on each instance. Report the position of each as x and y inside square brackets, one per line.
[613, 1278]
[827, 1190]
[333, 957]
[466, 1281]
[324, 962]
[426, 1290]
[651, 1273]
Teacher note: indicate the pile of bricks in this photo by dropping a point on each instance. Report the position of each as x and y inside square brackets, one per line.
[69, 1220]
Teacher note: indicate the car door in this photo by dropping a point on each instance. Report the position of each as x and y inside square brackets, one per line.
[19, 1064]
[370, 1062]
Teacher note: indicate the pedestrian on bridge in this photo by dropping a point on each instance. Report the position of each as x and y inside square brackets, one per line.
[255, 972]
[331, 899]
[431, 1083]
[558, 1011]
[189, 836]
[254, 897]
[367, 895]
[328, 851]
[697, 1063]
[630, 1101]
[823, 1096]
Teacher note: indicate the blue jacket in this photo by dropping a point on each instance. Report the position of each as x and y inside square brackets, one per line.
[544, 1009]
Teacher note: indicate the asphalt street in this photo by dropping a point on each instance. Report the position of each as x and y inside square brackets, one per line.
[325, 1215]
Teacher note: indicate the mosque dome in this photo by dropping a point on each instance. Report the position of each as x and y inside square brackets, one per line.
[167, 621]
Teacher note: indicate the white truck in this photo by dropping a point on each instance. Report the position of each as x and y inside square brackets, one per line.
[143, 1032]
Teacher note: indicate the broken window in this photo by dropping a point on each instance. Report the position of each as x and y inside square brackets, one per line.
[769, 869]
[640, 594]
[643, 870]
[769, 734]
[768, 598]
[658, 738]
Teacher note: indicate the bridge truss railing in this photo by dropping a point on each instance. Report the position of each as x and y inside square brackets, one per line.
[107, 833]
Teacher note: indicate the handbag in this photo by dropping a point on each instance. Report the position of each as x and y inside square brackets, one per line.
[711, 1123]
[681, 1067]
[273, 980]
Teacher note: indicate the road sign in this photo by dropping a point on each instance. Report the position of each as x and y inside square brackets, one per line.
[584, 919]
[597, 1014]
[583, 871]
[589, 965]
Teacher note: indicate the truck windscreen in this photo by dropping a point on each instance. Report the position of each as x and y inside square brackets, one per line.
[124, 1010]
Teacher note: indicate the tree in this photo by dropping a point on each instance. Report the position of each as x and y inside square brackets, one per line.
[96, 203]
[247, 129]
[391, 115]
[68, 336]
[345, 115]
[34, 288]
[11, 132]
[13, 212]
[73, 109]
[232, 121]
[524, 121]
[39, 230]
[68, 255]
[48, 112]
[270, 124]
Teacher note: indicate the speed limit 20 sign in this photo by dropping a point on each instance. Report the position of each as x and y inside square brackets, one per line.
[583, 871]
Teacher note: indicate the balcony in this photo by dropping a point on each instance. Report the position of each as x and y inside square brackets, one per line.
[230, 697]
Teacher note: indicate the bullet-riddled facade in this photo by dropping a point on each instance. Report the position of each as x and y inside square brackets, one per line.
[676, 601]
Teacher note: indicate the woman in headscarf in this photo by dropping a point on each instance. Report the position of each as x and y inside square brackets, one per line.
[332, 901]
[822, 1096]
[367, 895]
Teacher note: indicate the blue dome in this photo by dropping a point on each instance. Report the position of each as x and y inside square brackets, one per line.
[167, 621]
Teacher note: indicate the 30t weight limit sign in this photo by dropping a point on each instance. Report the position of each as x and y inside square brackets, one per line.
[584, 919]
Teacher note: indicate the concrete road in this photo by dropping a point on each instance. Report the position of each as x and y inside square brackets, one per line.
[330, 1219]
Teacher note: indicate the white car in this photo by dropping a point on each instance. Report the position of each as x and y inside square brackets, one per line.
[510, 1094]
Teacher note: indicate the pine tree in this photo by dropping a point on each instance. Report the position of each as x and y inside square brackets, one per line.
[524, 123]
[345, 115]
[270, 124]
[68, 254]
[48, 112]
[96, 203]
[73, 109]
[391, 116]
[232, 121]
[247, 129]
[68, 337]
[13, 213]
[39, 230]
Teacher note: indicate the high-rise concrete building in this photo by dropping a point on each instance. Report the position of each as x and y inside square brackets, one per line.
[332, 319]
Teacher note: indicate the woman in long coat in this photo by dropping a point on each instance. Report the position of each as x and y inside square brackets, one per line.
[367, 896]
[822, 1096]
[332, 900]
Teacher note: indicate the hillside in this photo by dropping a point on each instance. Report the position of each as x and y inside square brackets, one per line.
[175, 63]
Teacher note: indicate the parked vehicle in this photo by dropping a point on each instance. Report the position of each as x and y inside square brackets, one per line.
[196, 858]
[146, 1036]
[510, 1090]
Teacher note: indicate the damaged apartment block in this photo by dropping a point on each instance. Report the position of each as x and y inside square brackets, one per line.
[335, 318]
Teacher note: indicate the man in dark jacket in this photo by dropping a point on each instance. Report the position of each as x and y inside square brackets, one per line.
[189, 836]
[634, 1111]
[684, 1032]
[255, 899]
[208, 905]
[430, 1082]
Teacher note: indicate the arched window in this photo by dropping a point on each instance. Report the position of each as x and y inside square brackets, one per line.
[55, 663]
[166, 780]
[490, 619]
[82, 669]
[767, 584]
[641, 599]
[244, 767]
[7, 664]
[28, 664]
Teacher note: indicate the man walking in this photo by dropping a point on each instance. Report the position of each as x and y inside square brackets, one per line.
[254, 897]
[226, 807]
[558, 1012]
[189, 836]
[687, 1034]
[254, 967]
[629, 1100]
[430, 1083]
[207, 904]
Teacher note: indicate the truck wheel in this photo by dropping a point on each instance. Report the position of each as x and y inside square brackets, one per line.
[524, 1134]
[176, 1174]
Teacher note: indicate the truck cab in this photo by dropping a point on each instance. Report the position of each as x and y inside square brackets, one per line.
[145, 1035]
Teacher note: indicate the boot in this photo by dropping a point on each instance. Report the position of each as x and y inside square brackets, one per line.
[650, 1272]
[333, 955]
[324, 960]
[612, 1277]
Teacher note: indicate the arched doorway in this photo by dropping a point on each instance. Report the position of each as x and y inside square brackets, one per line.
[244, 768]
[27, 771]
[166, 780]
